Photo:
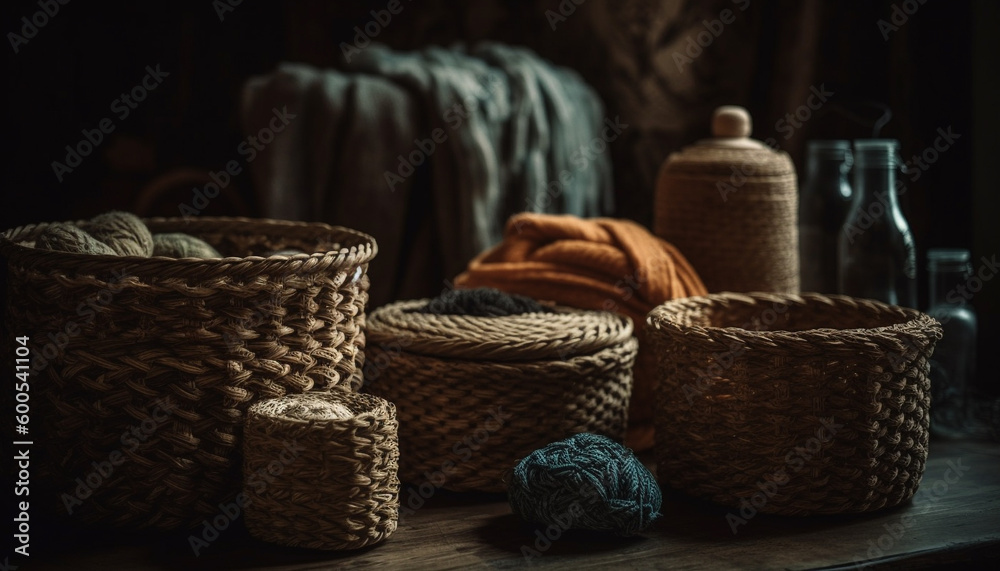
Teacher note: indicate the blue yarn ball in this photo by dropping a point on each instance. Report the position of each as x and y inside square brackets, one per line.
[587, 481]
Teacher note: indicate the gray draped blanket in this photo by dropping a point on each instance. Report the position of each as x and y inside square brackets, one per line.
[429, 151]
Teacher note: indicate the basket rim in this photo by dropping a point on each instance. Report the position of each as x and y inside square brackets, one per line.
[362, 248]
[375, 407]
[915, 323]
[565, 333]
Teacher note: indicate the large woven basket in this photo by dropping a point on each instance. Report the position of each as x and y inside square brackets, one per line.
[792, 404]
[178, 349]
[320, 470]
[476, 394]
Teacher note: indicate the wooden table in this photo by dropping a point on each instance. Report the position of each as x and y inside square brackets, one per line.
[955, 518]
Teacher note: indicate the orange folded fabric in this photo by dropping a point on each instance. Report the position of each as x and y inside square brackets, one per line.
[600, 263]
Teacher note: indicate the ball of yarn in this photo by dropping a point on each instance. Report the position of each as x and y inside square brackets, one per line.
[587, 481]
[284, 252]
[179, 245]
[70, 238]
[482, 302]
[124, 232]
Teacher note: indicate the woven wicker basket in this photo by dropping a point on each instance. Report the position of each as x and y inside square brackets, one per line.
[792, 404]
[730, 204]
[320, 470]
[476, 394]
[179, 348]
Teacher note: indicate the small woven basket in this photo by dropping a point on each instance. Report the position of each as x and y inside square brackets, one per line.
[793, 404]
[476, 394]
[179, 349]
[320, 470]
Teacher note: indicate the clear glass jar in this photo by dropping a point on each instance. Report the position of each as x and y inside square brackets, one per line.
[954, 360]
[823, 204]
[876, 254]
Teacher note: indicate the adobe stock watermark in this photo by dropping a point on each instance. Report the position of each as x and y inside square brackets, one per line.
[922, 161]
[867, 216]
[130, 440]
[770, 486]
[927, 495]
[581, 157]
[899, 17]
[248, 148]
[363, 35]
[122, 107]
[589, 495]
[963, 293]
[224, 7]
[87, 311]
[696, 44]
[794, 120]
[463, 450]
[30, 26]
[229, 512]
[564, 10]
[563, 522]
[454, 116]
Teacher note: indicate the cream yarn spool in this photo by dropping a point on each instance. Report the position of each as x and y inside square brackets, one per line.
[179, 245]
[124, 232]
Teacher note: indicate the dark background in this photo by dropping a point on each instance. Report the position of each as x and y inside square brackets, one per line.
[938, 70]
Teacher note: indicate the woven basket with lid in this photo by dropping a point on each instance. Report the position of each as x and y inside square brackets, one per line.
[730, 204]
[476, 394]
[178, 348]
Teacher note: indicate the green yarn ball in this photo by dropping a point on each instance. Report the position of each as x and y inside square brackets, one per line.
[586, 481]
[178, 245]
[124, 232]
[62, 237]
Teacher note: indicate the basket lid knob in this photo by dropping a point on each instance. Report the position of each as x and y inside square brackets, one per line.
[731, 128]
[731, 121]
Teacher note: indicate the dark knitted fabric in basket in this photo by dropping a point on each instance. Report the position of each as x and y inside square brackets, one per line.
[482, 302]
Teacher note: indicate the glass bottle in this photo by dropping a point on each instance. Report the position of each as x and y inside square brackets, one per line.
[876, 253]
[954, 359]
[823, 206]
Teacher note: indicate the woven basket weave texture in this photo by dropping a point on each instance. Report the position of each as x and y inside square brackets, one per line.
[476, 394]
[824, 400]
[733, 213]
[326, 480]
[200, 338]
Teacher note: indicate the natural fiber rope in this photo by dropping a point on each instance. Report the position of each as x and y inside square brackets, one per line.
[739, 237]
[522, 337]
[746, 380]
[533, 378]
[212, 335]
[340, 489]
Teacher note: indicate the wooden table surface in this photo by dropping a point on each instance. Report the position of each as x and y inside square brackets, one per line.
[954, 518]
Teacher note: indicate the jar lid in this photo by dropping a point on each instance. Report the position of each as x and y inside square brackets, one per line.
[730, 147]
[876, 153]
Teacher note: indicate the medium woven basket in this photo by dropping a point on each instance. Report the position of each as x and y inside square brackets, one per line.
[476, 394]
[320, 470]
[792, 404]
[179, 348]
